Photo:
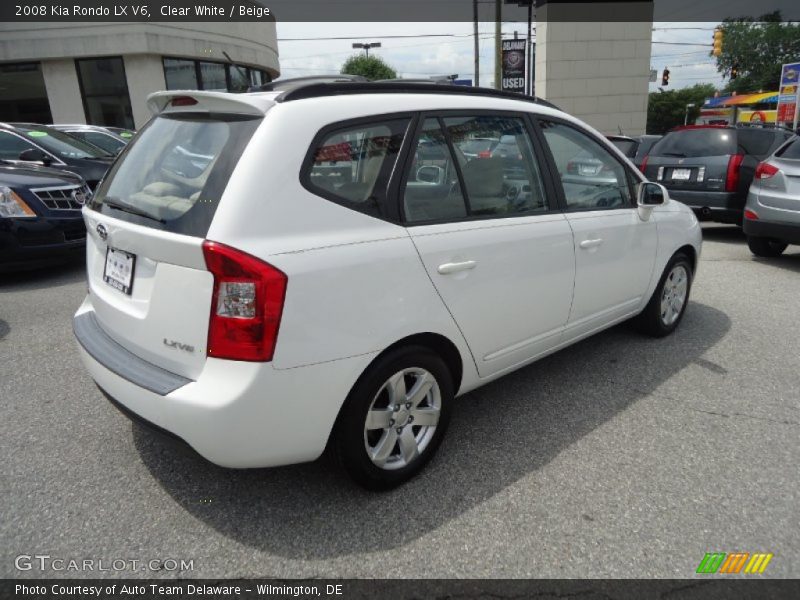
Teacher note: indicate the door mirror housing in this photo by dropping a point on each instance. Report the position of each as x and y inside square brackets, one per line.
[34, 155]
[649, 194]
[429, 174]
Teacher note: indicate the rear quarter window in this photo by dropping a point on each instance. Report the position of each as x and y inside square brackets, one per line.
[696, 142]
[791, 150]
[350, 165]
[173, 175]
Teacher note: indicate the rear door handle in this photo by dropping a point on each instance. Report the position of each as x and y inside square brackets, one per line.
[586, 244]
[448, 268]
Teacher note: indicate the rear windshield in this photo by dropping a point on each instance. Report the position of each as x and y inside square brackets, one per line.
[791, 150]
[696, 142]
[173, 175]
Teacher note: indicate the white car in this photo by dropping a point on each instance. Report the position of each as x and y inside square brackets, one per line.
[310, 285]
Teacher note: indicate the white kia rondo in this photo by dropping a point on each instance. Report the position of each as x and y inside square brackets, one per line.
[276, 273]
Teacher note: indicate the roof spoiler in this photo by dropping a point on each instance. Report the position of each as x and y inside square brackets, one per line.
[220, 102]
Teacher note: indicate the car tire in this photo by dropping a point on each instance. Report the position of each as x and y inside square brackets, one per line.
[765, 247]
[664, 312]
[375, 439]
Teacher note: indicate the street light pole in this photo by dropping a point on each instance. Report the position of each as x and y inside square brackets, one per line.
[366, 46]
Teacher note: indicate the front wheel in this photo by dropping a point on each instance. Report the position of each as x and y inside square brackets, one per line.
[394, 418]
[665, 310]
[765, 247]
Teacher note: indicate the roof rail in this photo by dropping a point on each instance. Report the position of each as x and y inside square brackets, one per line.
[281, 85]
[315, 90]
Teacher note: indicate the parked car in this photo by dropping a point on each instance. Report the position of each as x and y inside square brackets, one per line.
[635, 148]
[772, 213]
[710, 167]
[122, 132]
[98, 136]
[478, 147]
[40, 216]
[39, 145]
[262, 314]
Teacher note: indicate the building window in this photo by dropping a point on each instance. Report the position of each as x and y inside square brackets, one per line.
[180, 74]
[104, 90]
[187, 74]
[24, 97]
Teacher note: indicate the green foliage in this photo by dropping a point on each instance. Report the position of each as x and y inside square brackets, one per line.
[666, 110]
[371, 67]
[759, 48]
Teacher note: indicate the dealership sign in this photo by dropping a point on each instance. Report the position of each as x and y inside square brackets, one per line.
[788, 94]
[513, 79]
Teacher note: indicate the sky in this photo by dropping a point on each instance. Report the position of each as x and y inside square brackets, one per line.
[686, 51]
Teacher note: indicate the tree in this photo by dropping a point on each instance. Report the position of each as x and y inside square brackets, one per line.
[371, 67]
[666, 110]
[758, 48]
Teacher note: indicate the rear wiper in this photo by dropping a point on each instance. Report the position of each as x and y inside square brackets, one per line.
[119, 205]
[677, 154]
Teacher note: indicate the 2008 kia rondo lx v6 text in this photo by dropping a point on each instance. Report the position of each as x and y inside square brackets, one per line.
[278, 272]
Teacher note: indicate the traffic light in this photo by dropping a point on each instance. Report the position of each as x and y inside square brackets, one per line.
[718, 35]
[665, 77]
[735, 71]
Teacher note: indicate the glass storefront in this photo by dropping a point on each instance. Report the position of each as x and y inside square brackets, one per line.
[186, 74]
[104, 90]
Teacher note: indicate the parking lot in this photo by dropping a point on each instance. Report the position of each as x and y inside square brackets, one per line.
[622, 456]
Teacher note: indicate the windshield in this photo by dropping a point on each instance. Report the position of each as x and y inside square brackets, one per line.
[64, 145]
[696, 142]
[173, 175]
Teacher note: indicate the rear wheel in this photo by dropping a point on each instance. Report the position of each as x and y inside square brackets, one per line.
[665, 310]
[765, 247]
[394, 418]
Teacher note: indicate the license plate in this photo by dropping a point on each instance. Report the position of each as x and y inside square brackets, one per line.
[681, 174]
[588, 170]
[119, 270]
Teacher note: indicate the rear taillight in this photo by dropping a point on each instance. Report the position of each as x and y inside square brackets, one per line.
[732, 176]
[644, 163]
[246, 305]
[484, 154]
[750, 215]
[765, 170]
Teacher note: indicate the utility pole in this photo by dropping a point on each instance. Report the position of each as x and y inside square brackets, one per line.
[477, 43]
[367, 45]
[498, 44]
[529, 62]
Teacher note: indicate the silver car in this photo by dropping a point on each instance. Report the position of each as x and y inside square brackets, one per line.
[772, 213]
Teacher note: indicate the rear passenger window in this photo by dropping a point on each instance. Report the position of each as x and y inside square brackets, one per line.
[591, 176]
[491, 156]
[352, 165]
[433, 191]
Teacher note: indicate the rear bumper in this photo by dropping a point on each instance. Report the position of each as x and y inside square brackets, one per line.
[237, 414]
[785, 232]
[719, 206]
[40, 241]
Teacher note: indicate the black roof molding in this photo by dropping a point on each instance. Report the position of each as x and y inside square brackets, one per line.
[316, 90]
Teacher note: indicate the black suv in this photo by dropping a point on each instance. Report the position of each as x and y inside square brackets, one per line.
[40, 216]
[710, 167]
[37, 145]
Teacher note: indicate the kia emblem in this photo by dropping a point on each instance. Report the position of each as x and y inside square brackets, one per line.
[102, 231]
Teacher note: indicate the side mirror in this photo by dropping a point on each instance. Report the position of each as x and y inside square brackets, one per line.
[651, 194]
[34, 155]
[429, 174]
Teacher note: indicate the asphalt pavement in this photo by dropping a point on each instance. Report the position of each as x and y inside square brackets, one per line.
[622, 456]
